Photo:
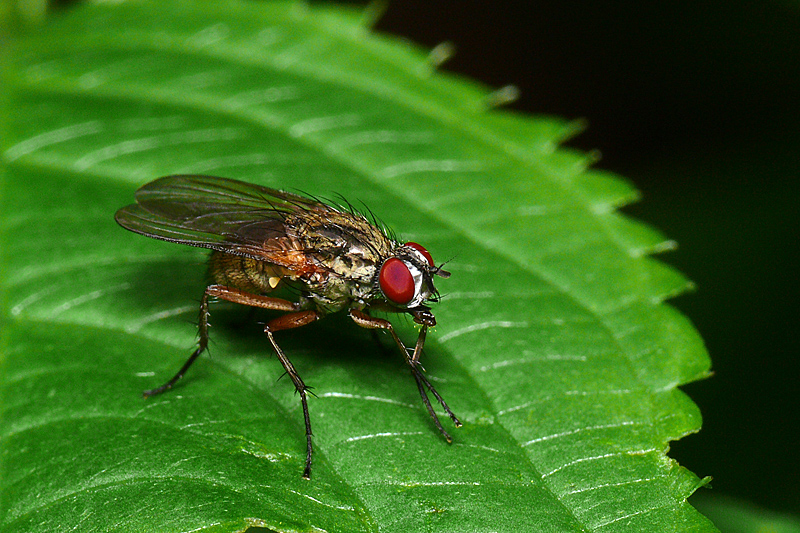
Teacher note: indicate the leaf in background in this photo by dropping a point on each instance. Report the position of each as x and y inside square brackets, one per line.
[553, 343]
[732, 515]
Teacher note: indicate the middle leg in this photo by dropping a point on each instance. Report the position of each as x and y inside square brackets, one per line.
[290, 321]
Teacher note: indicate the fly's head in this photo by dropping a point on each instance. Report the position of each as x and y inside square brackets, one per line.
[405, 280]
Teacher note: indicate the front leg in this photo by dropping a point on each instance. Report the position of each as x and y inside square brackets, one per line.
[369, 322]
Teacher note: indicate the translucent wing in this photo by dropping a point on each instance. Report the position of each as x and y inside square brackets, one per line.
[218, 213]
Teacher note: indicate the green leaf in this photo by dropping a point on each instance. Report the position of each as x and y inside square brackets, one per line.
[736, 516]
[554, 345]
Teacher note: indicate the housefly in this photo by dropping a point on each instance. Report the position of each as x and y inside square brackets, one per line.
[335, 257]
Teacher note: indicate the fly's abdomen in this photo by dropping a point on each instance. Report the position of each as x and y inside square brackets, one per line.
[245, 273]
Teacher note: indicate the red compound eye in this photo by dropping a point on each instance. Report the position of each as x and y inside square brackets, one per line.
[396, 281]
[421, 249]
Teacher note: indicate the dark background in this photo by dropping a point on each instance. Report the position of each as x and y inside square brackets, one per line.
[697, 103]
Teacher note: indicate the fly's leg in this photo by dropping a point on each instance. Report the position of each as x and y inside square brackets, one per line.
[225, 293]
[289, 321]
[294, 319]
[366, 321]
[414, 362]
[201, 347]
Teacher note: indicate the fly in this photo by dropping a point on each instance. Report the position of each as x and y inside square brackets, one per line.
[262, 239]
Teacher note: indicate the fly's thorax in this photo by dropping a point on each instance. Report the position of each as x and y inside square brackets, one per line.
[348, 281]
[346, 242]
[337, 294]
[345, 249]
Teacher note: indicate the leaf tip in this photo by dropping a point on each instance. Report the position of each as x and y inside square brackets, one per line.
[501, 97]
[373, 12]
[440, 54]
[572, 129]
